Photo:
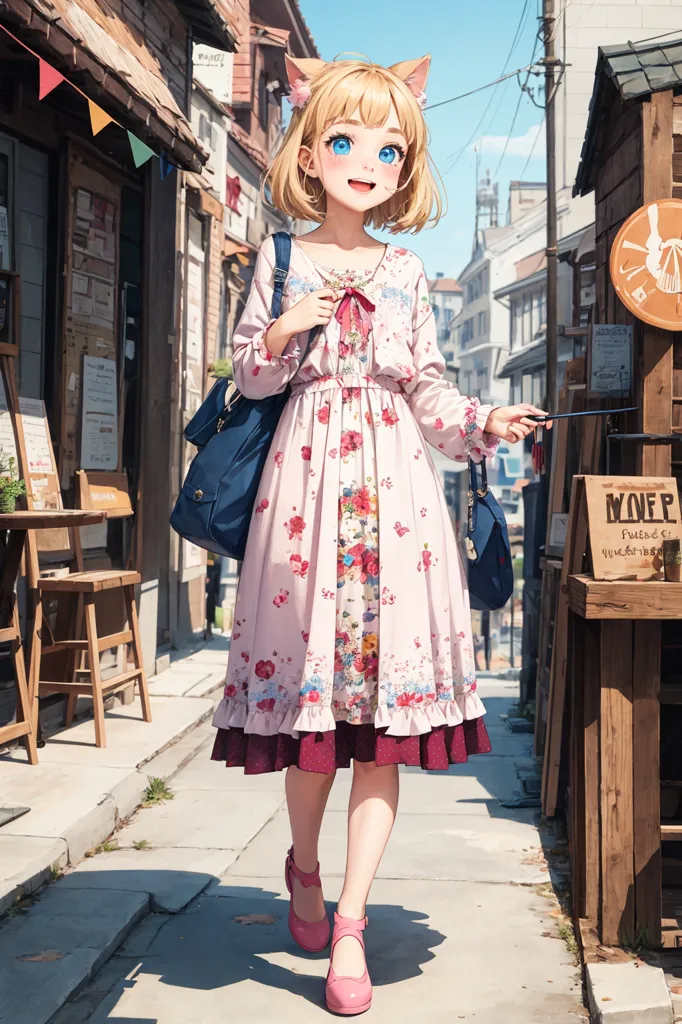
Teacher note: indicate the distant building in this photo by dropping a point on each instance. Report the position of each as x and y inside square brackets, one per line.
[445, 295]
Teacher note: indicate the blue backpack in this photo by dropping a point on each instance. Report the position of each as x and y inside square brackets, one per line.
[491, 573]
[214, 507]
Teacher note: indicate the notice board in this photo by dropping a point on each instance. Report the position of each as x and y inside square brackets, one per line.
[91, 314]
[629, 518]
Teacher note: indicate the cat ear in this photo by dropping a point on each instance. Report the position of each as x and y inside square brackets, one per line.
[303, 68]
[413, 73]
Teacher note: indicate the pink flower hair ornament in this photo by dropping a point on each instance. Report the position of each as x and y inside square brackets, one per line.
[299, 93]
[301, 72]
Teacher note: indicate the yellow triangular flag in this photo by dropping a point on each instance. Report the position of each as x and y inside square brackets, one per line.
[98, 118]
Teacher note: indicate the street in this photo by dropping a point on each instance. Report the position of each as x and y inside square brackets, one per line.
[463, 925]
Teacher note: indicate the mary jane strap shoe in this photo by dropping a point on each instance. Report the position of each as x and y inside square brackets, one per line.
[348, 996]
[312, 936]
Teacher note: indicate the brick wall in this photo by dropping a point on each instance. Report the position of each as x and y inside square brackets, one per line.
[243, 76]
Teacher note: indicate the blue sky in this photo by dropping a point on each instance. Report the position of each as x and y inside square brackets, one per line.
[469, 43]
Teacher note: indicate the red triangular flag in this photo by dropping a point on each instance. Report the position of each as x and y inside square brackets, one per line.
[49, 79]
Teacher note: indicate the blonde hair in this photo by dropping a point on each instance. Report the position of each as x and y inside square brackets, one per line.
[337, 92]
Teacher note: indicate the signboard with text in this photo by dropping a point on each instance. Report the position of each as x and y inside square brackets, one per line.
[629, 518]
[611, 359]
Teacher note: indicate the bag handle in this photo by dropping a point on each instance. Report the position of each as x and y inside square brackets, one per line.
[475, 492]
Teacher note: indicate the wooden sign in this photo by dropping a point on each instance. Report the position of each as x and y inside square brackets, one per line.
[646, 264]
[629, 518]
[105, 492]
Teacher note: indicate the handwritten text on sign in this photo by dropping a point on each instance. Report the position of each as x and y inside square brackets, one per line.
[629, 518]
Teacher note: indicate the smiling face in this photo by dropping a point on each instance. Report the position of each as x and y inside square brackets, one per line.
[358, 166]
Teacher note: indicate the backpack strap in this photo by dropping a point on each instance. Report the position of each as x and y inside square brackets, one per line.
[282, 240]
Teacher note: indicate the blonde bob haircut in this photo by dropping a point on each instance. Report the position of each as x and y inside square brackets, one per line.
[340, 90]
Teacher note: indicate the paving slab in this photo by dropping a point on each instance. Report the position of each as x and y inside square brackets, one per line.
[187, 677]
[202, 819]
[467, 789]
[202, 773]
[58, 795]
[174, 758]
[171, 877]
[127, 746]
[633, 993]
[72, 934]
[440, 952]
[27, 863]
[421, 846]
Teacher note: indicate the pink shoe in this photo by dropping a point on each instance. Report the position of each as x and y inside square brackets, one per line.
[313, 936]
[348, 995]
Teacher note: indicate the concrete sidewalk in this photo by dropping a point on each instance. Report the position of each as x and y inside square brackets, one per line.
[463, 922]
[78, 793]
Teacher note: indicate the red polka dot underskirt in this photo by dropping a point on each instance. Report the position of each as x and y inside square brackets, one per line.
[325, 751]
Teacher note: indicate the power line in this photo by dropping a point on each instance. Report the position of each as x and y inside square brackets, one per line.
[480, 88]
[517, 35]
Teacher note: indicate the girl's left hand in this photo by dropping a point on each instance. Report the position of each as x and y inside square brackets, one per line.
[511, 422]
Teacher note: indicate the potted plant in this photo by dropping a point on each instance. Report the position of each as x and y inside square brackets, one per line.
[11, 487]
[221, 368]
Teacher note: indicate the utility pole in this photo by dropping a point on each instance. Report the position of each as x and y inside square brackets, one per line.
[550, 62]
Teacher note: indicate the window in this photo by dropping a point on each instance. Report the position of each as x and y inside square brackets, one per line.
[481, 379]
[527, 306]
[482, 323]
[467, 330]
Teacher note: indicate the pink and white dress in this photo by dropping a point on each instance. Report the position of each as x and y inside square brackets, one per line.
[352, 630]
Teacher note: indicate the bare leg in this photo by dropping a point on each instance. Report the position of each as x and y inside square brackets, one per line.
[371, 812]
[307, 795]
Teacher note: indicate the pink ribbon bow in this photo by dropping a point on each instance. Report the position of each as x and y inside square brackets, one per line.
[354, 299]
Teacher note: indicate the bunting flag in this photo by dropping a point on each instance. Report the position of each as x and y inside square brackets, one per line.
[165, 166]
[140, 150]
[49, 78]
[98, 118]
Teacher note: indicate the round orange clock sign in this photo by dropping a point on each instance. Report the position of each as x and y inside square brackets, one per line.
[646, 264]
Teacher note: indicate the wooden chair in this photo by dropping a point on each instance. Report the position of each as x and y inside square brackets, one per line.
[104, 492]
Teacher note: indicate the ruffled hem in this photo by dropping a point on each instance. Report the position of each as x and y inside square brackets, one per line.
[402, 721]
[324, 752]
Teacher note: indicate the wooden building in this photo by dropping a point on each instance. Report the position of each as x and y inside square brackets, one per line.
[613, 753]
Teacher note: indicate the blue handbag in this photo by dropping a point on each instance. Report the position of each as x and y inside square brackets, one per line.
[491, 572]
[214, 507]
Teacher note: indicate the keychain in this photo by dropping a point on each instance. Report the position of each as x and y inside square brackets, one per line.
[538, 452]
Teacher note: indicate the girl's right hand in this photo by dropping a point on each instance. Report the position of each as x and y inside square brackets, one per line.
[314, 309]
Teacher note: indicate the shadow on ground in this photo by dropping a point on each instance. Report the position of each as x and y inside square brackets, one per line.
[236, 934]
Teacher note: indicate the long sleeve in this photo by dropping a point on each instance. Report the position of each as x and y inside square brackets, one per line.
[449, 421]
[257, 372]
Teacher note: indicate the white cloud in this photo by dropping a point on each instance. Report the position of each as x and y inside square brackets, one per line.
[533, 140]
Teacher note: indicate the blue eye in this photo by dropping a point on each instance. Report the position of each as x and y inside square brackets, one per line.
[341, 145]
[388, 155]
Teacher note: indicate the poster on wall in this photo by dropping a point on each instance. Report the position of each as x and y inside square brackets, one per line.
[8, 444]
[93, 258]
[611, 359]
[38, 445]
[99, 434]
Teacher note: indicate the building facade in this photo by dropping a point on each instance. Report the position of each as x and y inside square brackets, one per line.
[445, 295]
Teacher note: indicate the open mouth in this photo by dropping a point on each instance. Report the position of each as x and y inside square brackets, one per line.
[361, 184]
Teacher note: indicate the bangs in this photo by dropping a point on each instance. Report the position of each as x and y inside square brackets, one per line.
[366, 92]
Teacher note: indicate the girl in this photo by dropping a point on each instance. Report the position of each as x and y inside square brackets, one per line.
[352, 633]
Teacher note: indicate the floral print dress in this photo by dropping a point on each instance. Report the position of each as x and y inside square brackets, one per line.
[352, 632]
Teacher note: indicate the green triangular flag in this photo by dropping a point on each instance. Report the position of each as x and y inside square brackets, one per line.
[140, 150]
